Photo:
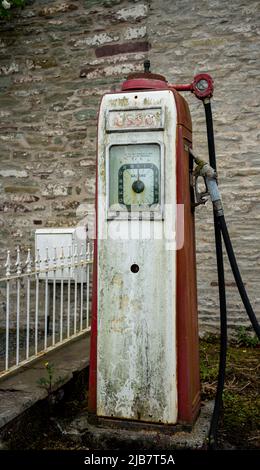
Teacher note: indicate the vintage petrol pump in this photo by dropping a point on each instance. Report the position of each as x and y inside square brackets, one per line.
[144, 363]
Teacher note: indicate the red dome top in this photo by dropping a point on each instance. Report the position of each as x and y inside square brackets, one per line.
[144, 81]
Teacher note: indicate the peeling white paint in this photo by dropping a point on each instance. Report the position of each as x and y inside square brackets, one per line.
[28, 79]
[9, 69]
[52, 189]
[13, 172]
[68, 173]
[111, 70]
[139, 56]
[135, 33]
[96, 40]
[132, 13]
[242, 28]
[4, 113]
[55, 22]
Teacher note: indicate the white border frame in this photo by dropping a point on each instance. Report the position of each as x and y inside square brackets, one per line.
[135, 215]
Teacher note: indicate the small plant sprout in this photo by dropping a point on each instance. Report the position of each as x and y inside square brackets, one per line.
[47, 382]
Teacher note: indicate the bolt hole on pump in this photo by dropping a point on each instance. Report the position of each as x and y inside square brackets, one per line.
[144, 359]
[134, 268]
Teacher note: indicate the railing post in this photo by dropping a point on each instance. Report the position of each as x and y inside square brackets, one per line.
[69, 275]
[75, 262]
[18, 293]
[81, 286]
[54, 297]
[8, 273]
[61, 292]
[46, 261]
[37, 269]
[87, 281]
[28, 272]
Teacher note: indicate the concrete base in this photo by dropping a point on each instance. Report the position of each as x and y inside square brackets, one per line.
[139, 425]
[106, 437]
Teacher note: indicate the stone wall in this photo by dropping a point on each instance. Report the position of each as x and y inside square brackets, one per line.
[58, 57]
[221, 38]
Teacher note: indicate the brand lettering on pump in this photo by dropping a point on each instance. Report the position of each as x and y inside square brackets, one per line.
[151, 118]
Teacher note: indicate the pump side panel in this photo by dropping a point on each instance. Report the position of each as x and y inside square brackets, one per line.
[187, 324]
[136, 331]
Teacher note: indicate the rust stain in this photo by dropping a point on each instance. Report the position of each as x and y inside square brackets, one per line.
[117, 280]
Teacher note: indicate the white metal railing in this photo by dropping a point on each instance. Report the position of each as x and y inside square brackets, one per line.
[46, 303]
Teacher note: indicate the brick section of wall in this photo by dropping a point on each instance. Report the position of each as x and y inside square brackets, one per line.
[105, 51]
[56, 60]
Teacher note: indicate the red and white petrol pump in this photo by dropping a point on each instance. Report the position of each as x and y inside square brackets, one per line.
[144, 362]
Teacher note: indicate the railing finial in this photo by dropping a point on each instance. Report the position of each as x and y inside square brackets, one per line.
[47, 259]
[75, 253]
[8, 264]
[28, 262]
[88, 251]
[37, 260]
[18, 263]
[54, 259]
[69, 257]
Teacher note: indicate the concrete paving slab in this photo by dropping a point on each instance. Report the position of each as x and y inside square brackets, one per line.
[22, 390]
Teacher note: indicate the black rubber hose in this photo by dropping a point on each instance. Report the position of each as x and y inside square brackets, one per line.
[237, 276]
[222, 292]
[223, 339]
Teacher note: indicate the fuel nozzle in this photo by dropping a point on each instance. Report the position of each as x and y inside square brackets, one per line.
[210, 178]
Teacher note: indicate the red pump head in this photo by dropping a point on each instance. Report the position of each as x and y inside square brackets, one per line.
[145, 80]
[202, 85]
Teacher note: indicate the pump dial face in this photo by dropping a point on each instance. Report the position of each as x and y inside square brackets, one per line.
[135, 177]
[138, 184]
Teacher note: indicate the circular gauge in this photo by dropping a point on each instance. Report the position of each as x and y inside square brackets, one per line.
[134, 178]
[138, 184]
